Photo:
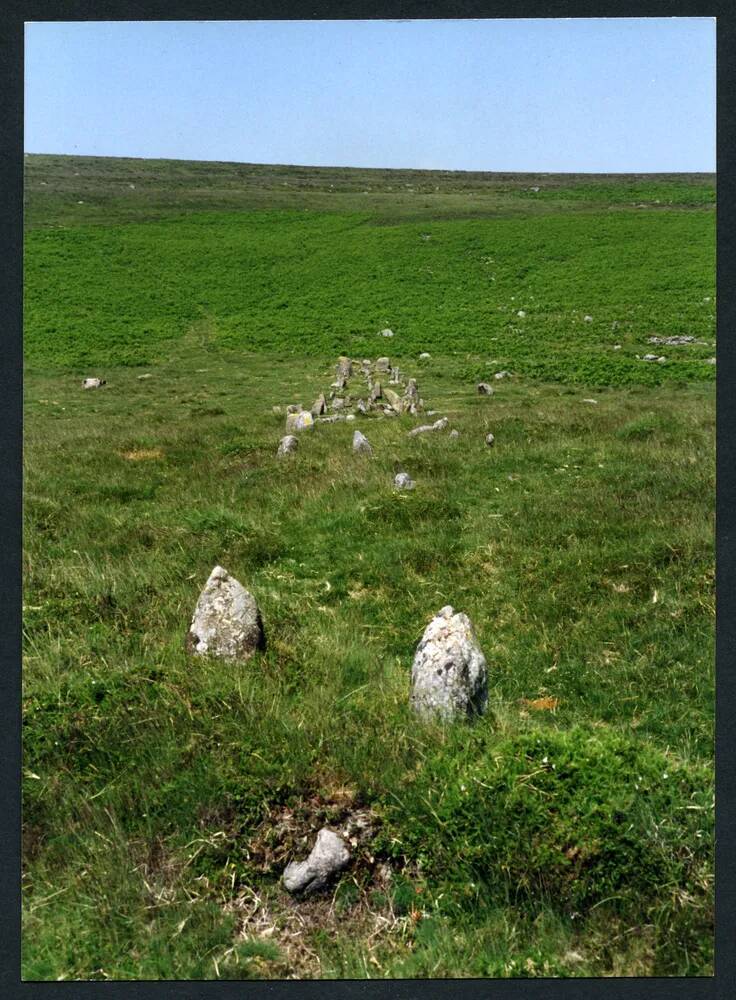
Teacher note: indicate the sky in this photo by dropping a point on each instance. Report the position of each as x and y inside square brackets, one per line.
[581, 95]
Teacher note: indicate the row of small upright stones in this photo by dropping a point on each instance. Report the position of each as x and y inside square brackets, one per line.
[449, 681]
[379, 399]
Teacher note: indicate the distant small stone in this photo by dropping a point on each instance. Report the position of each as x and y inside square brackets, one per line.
[294, 408]
[484, 389]
[361, 406]
[652, 357]
[438, 425]
[344, 367]
[591, 401]
[500, 375]
[376, 392]
[350, 416]
[387, 333]
[710, 361]
[449, 677]
[93, 383]
[301, 421]
[338, 403]
[521, 314]
[587, 319]
[147, 375]
[287, 445]
[226, 621]
[383, 365]
[394, 400]
[617, 347]
[490, 440]
[672, 341]
[361, 444]
[329, 856]
[276, 410]
[403, 481]
[424, 356]
[454, 435]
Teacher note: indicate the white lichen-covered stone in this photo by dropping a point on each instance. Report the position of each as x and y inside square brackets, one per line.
[484, 389]
[301, 421]
[93, 383]
[287, 445]
[449, 678]
[403, 481]
[319, 406]
[329, 856]
[361, 445]
[490, 440]
[226, 622]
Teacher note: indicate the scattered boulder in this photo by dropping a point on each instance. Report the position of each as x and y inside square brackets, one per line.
[484, 389]
[93, 383]
[672, 341]
[361, 445]
[394, 400]
[329, 856]
[438, 425]
[403, 481]
[449, 677]
[490, 440]
[319, 406]
[226, 621]
[287, 445]
[383, 365]
[301, 421]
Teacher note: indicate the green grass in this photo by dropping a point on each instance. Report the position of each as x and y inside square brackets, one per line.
[163, 795]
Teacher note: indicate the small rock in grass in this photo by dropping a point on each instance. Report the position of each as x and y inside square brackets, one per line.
[301, 421]
[710, 361]
[226, 621]
[449, 677]
[500, 375]
[338, 403]
[587, 319]
[484, 389]
[591, 401]
[387, 333]
[424, 356]
[652, 357]
[521, 314]
[147, 375]
[490, 440]
[287, 445]
[329, 856]
[93, 383]
[403, 481]
[672, 341]
[344, 367]
[617, 347]
[350, 416]
[454, 435]
[361, 445]
[383, 365]
[294, 408]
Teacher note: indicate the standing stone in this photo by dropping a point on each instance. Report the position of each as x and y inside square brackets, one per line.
[344, 367]
[490, 440]
[226, 621]
[338, 403]
[449, 678]
[361, 406]
[383, 365]
[329, 856]
[319, 406]
[412, 393]
[301, 421]
[395, 378]
[376, 392]
[287, 445]
[361, 444]
[484, 389]
[93, 383]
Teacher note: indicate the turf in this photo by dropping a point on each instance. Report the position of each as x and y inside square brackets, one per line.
[569, 831]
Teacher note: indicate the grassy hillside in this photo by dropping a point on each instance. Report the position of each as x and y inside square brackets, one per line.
[566, 833]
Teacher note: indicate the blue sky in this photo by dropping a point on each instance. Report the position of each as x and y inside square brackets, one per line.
[603, 95]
